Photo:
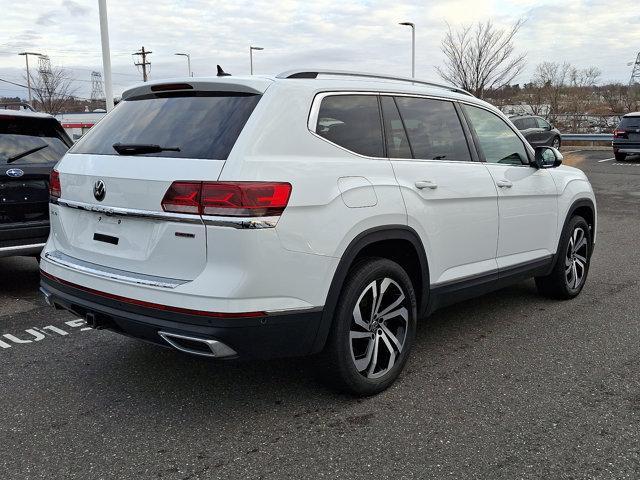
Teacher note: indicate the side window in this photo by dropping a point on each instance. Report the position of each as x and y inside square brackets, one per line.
[353, 122]
[434, 129]
[498, 142]
[519, 123]
[397, 142]
[542, 123]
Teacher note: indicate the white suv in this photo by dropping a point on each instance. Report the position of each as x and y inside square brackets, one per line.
[308, 213]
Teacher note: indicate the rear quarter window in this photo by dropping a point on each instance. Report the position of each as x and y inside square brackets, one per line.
[202, 125]
[353, 122]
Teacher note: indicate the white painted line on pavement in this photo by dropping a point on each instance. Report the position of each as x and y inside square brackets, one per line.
[606, 160]
[36, 334]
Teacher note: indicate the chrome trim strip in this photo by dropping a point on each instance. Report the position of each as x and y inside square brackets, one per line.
[217, 348]
[92, 269]
[31, 248]
[241, 222]
[130, 212]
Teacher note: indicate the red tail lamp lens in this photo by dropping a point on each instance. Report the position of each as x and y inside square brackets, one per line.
[245, 199]
[235, 199]
[55, 189]
[182, 197]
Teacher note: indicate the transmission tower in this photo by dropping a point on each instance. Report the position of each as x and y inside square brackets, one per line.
[44, 67]
[635, 73]
[97, 88]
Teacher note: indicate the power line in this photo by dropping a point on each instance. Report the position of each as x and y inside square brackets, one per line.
[143, 63]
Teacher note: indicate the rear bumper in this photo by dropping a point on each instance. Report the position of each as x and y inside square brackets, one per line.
[23, 239]
[256, 337]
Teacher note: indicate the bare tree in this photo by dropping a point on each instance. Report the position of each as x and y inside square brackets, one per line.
[550, 79]
[52, 88]
[481, 57]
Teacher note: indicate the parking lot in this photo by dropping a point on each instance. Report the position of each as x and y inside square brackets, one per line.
[509, 386]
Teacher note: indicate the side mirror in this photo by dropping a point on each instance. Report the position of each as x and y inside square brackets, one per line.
[547, 157]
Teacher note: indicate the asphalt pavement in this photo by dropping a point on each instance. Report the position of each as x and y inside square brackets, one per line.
[506, 386]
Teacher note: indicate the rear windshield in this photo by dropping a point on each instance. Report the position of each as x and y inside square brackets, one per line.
[630, 122]
[201, 124]
[26, 140]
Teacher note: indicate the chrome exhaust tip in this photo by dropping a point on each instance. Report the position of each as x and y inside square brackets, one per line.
[198, 346]
[47, 297]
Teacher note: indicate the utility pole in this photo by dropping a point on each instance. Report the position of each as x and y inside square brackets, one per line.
[26, 57]
[413, 47]
[143, 63]
[106, 54]
[251, 49]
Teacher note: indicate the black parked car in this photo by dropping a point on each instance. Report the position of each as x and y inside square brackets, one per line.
[626, 138]
[30, 145]
[537, 130]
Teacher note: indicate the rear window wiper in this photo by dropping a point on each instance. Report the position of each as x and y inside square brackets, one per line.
[141, 148]
[25, 153]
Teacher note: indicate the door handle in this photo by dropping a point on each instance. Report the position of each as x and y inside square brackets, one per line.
[504, 184]
[426, 184]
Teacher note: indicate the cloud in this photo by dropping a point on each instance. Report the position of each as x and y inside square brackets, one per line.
[345, 34]
[75, 8]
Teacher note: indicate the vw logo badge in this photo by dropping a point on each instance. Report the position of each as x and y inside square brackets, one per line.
[15, 172]
[99, 190]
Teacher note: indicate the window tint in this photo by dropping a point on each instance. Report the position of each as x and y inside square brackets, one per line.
[541, 123]
[497, 141]
[41, 137]
[530, 122]
[353, 122]
[397, 142]
[434, 129]
[201, 124]
[519, 123]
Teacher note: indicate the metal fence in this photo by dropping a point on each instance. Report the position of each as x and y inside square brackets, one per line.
[587, 137]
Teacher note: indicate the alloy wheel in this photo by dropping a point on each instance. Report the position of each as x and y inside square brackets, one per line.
[576, 259]
[556, 143]
[379, 327]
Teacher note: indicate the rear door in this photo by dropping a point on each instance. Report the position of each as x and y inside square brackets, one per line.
[29, 148]
[110, 211]
[450, 198]
[527, 197]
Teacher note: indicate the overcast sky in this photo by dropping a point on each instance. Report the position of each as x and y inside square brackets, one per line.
[344, 34]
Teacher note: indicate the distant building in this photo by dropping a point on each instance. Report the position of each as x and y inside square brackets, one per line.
[77, 124]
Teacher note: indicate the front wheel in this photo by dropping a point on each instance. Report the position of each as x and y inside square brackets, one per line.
[572, 262]
[556, 143]
[373, 329]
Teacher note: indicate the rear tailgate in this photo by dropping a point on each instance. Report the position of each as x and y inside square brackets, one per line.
[110, 210]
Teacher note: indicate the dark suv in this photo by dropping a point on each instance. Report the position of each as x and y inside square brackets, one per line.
[30, 145]
[537, 130]
[626, 138]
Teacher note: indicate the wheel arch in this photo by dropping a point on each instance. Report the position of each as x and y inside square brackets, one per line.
[385, 242]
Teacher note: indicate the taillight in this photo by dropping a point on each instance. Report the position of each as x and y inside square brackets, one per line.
[233, 199]
[55, 189]
[619, 133]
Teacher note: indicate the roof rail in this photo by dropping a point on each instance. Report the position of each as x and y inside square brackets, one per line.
[20, 105]
[345, 73]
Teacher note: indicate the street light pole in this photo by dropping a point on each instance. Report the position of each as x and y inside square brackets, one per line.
[251, 49]
[106, 54]
[26, 57]
[413, 47]
[188, 61]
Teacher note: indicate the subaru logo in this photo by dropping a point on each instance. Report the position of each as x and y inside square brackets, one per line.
[15, 172]
[99, 190]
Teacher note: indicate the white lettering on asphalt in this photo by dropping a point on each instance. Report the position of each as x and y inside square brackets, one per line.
[38, 334]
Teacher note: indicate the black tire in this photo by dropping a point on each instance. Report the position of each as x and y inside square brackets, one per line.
[343, 356]
[556, 142]
[567, 277]
[620, 157]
